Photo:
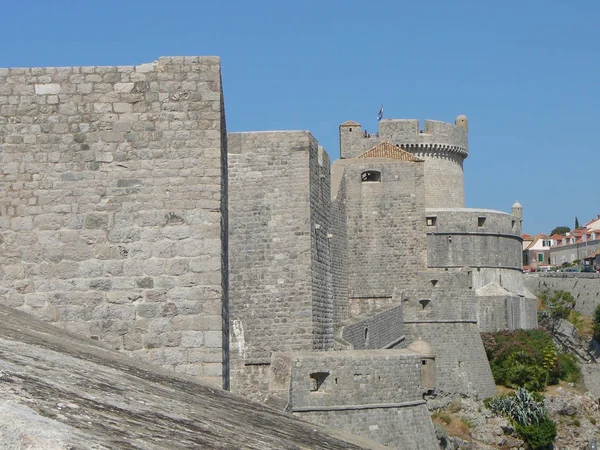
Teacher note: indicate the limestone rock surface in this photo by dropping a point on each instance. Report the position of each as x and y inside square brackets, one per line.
[59, 391]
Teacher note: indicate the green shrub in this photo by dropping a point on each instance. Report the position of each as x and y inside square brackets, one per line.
[559, 305]
[467, 422]
[538, 436]
[527, 358]
[596, 324]
[531, 377]
[455, 405]
[568, 369]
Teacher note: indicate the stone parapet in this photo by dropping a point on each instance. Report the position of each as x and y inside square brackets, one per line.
[374, 393]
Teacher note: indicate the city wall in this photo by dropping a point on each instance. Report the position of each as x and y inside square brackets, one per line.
[280, 278]
[473, 237]
[585, 287]
[374, 393]
[385, 225]
[441, 309]
[113, 220]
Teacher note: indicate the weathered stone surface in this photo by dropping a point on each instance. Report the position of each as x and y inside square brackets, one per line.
[111, 180]
[61, 391]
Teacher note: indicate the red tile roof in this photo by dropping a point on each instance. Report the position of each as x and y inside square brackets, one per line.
[389, 151]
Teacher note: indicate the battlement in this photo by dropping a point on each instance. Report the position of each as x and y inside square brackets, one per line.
[435, 134]
[435, 137]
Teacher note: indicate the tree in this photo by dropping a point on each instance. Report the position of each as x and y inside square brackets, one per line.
[560, 230]
[576, 222]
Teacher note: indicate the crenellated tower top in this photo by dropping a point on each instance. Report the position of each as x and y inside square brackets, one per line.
[435, 136]
[443, 146]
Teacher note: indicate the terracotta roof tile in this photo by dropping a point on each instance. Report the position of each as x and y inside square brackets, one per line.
[350, 123]
[389, 151]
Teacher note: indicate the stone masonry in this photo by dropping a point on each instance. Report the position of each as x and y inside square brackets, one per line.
[129, 215]
[113, 206]
[326, 387]
[280, 257]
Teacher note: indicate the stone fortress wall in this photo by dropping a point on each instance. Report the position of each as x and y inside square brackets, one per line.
[112, 200]
[384, 224]
[386, 384]
[585, 287]
[488, 242]
[480, 238]
[440, 308]
[129, 215]
[280, 286]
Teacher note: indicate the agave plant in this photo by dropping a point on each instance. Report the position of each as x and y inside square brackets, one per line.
[521, 408]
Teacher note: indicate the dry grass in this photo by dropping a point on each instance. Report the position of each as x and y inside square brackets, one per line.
[584, 324]
[540, 304]
[503, 390]
[455, 426]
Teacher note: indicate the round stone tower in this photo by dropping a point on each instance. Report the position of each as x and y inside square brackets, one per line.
[443, 147]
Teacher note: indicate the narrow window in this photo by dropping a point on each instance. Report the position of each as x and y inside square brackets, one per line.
[480, 221]
[366, 336]
[350, 130]
[540, 257]
[431, 221]
[371, 175]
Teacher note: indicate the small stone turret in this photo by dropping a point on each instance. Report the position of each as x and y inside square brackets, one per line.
[462, 121]
[517, 210]
[427, 364]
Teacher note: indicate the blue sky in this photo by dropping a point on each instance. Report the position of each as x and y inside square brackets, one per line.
[526, 73]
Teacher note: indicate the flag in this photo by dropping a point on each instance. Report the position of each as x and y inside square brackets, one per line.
[380, 113]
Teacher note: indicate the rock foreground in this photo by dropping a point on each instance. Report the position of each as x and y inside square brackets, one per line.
[61, 391]
[576, 414]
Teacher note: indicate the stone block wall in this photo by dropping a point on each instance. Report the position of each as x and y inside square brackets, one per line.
[506, 312]
[374, 393]
[585, 287]
[436, 135]
[321, 247]
[461, 363]
[441, 309]
[112, 194]
[444, 178]
[473, 237]
[280, 282]
[384, 329]
[339, 251]
[385, 225]
[509, 279]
